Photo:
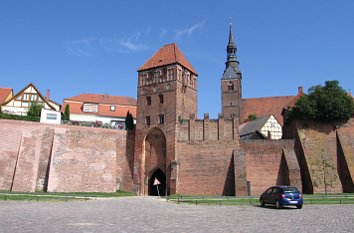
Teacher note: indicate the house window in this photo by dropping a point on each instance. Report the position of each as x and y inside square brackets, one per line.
[147, 120]
[26, 97]
[90, 108]
[148, 100]
[51, 116]
[161, 98]
[161, 119]
[112, 108]
[33, 97]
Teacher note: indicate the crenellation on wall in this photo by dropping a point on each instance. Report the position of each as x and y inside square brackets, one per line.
[207, 129]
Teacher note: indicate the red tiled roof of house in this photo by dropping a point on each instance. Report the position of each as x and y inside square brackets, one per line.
[103, 99]
[292, 103]
[168, 54]
[4, 93]
[265, 106]
[123, 104]
[103, 110]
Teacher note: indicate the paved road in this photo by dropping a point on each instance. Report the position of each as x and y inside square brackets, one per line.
[150, 214]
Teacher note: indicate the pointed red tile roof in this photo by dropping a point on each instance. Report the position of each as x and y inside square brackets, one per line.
[168, 54]
[4, 93]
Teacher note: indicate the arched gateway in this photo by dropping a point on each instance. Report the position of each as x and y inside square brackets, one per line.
[155, 162]
[159, 188]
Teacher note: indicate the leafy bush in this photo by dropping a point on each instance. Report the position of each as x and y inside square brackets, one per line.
[252, 117]
[329, 103]
[19, 118]
[35, 109]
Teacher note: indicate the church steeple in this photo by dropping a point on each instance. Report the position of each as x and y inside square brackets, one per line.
[232, 70]
[231, 92]
[231, 50]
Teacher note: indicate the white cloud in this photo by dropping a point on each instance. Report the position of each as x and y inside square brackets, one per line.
[190, 30]
[133, 46]
[87, 47]
[80, 48]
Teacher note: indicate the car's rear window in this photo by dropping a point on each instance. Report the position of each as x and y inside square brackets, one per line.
[290, 190]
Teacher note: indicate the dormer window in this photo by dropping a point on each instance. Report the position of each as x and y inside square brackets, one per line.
[90, 107]
[112, 108]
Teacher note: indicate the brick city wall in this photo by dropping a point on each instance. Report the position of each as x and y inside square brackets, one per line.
[266, 161]
[317, 146]
[345, 136]
[207, 160]
[35, 156]
[207, 168]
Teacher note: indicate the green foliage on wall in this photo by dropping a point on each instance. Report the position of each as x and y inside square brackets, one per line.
[252, 117]
[329, 103]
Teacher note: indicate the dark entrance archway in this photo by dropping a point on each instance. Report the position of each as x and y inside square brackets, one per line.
[160, 176]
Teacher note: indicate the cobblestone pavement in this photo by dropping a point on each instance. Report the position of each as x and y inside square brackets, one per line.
[151, 214]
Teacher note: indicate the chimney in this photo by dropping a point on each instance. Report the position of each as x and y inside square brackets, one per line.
[48, 94]
[300, 90]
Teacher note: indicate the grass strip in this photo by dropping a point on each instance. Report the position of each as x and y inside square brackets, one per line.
[254, 200]
[72, 196]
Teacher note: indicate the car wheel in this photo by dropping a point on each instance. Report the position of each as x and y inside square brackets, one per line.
[299, 206]
[262, 202]
[277, 204]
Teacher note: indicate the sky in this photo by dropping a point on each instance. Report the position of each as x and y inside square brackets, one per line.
[93, 46]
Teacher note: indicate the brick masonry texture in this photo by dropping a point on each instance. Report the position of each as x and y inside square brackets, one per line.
[263, 159]
[55, 158]
[38, 156]
[206, 168]
[319, 146]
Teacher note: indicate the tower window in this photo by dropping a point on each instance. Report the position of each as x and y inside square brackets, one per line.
[161, 119]
[161, 98]
[148, 100]
[230, 86]
[147, 120]
[170, 73]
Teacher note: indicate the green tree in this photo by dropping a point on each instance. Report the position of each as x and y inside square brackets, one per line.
[129, 121]
[252, 117]
[329, 103]
[67, 113]
[35, 109]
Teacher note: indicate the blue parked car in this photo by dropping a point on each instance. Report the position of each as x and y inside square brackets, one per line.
[281, 196]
